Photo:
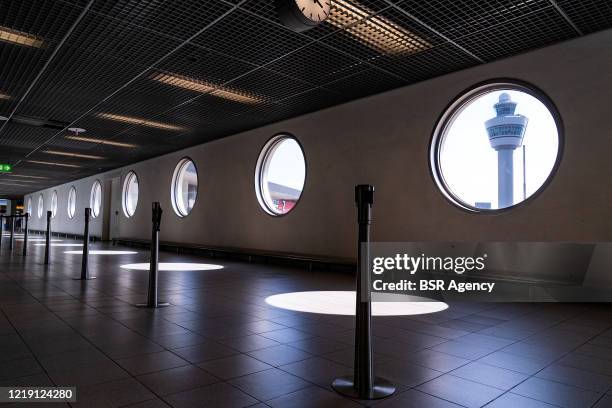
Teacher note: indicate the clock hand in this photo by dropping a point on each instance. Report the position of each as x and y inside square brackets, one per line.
[319, 3]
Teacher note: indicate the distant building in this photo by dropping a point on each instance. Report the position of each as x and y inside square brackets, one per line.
[506, 132]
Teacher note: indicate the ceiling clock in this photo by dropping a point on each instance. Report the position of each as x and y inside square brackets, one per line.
[302, 15]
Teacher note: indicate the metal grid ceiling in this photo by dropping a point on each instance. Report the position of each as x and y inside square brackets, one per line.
[103, 57]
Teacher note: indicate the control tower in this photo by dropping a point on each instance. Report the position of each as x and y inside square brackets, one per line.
[506, 132]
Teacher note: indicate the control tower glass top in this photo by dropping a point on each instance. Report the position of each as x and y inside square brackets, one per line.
[495, 148]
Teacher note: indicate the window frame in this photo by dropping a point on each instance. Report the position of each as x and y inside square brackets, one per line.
[70, 193]
[180, 165]
[41, 206]
[124, 193]
[455, 107]
[264, 155]
[91, 198]
[54, 204]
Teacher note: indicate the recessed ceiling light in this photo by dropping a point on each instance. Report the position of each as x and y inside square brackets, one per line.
[139, 121]
[52, 163]
[376, 32]
[206, 87]
[76, 130]
[100, 141]
[12, 183]
[19, 37]
[68, 154]
[3, 118]
[24, 181]
[27, 176]
[4, 96]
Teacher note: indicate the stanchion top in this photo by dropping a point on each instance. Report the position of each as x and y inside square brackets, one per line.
[364, 193]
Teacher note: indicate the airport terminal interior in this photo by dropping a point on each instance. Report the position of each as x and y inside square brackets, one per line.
[200, 202]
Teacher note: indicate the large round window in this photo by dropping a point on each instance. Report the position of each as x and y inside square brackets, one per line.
[130, 194]
[95, 200]
[30, 206]
[184, 189]
[71, 202]
[496, 146]
[41, 205]
[280, 175]
[54, 204]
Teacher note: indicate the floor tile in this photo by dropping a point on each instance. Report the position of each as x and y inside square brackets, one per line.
[459, 391]
[249, 343]
[177, 379]
[416, 399]
[269, 384]
[556, 393]
[435, 360]
[233, 366]
[576, 377]
[206, 351]
[112, 394]
[490, 375]
[312, 397]
[279, 355]
[148, 363]
[218, 395]
[510, 400]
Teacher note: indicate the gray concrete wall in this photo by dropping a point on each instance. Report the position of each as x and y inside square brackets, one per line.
[383, 140]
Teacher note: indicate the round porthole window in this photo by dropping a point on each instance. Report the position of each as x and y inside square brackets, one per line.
[184, 190]
[54, 204]
[71, 202]
[496, 146]
[130, 194]
[95, 200]
[41, 205]
[280, 175]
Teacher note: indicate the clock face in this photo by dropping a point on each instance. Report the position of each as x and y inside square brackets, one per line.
[314, 10]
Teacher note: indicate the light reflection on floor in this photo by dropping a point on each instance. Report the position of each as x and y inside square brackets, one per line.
[343, 303]
[174, 266]
[61, 245]
[39, 240]
[102, 252]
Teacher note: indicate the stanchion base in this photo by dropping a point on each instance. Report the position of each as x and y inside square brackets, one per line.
[346, 386]
[159, 305]
[90, 278]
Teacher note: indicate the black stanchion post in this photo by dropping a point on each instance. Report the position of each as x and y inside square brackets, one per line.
[25, 234]
[363, 384]
[48, 238]
[12, 237]
[152, 300]
[85, 258]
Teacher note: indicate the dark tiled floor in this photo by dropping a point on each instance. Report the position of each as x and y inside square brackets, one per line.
[220, 345]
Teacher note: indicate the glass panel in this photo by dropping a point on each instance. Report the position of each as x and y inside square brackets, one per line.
[96, 199]
[497, 149]
[71, 202]
[185, 188]
[131, 194]
[282, 175]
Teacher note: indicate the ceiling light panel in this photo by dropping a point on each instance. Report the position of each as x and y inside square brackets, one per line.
[100, 141]
[11, 36]
[26, 176]
[377, 31]
[206, 87]
[46, 163]
[139, 121]
[4, 96]
[69, 154]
